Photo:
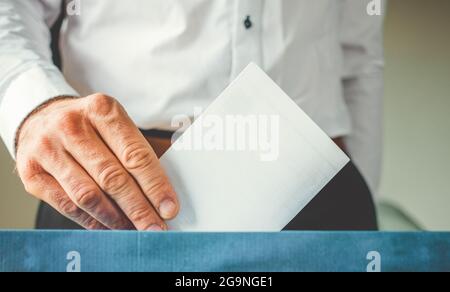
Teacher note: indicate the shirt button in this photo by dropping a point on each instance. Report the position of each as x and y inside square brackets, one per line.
[248, 23]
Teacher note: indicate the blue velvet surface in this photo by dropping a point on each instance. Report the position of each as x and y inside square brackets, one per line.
[241, 252]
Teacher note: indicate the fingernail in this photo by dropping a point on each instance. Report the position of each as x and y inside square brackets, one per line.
[167, 209]
[155, 227]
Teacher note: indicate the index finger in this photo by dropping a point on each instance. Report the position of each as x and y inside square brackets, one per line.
[133, 151]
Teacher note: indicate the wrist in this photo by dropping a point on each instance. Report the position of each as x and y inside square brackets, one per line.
[34, 112]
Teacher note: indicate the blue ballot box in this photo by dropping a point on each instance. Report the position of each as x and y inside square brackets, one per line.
[223, 252]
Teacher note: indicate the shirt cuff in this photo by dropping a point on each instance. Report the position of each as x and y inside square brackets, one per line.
[25, 93]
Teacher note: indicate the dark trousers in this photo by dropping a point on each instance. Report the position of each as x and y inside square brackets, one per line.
[344, 204]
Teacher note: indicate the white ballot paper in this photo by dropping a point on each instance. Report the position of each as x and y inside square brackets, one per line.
[250, 162]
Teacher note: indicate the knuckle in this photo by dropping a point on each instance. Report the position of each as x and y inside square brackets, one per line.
[87, 199]
[29, 170]
[70, 123]
[31, 175]
[101, 104]
[67, 207]
[45, 147]
[136, 156]
[47, 151]
[157, 187]
[142, 215]
[113, 180]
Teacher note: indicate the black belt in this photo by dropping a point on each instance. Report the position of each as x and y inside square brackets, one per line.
[163, 134]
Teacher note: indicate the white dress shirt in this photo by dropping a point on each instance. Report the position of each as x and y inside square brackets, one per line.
[162, 58]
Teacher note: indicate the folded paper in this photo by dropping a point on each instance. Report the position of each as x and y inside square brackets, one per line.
[251, 161]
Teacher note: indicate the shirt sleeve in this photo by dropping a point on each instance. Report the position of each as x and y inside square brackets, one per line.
[28, 77]
[361, 38]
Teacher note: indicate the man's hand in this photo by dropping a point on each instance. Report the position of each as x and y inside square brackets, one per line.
[87, 159]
